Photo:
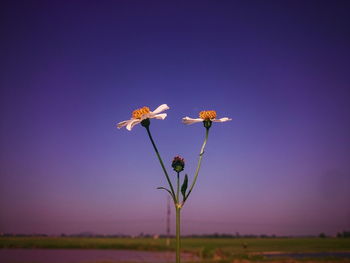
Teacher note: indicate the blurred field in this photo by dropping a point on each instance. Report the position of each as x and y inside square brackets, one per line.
[219, 249]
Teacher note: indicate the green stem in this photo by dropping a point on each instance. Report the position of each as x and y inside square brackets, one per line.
[161, 163]
[199, 164]
[178, 188]
[178, 244]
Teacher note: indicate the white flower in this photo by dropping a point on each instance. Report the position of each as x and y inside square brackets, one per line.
[205, 116]
[141, 114]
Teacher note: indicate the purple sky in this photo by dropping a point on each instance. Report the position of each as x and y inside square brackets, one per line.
[70, 70]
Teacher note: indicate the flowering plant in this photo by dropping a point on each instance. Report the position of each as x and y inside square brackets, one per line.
[143, 116]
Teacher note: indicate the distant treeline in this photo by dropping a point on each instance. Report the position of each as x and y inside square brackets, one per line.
[344, 234]
[224, 235]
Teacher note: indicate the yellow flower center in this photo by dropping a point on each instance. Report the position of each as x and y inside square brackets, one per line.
[207, 115]
[138, 113]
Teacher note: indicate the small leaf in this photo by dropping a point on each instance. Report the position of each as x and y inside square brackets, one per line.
[184, 187]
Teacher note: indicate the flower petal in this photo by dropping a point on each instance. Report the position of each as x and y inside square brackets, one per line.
[188, 120]
[147, 116]
[122, 124]
[161, 108]
[132, 123]
[222, 119]
[161, 116]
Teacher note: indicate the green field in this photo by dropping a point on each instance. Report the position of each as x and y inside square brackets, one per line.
[208, 249]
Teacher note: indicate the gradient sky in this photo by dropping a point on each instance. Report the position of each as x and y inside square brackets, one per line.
[70, 70]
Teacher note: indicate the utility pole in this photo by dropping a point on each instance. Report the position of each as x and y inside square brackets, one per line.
[168, 222]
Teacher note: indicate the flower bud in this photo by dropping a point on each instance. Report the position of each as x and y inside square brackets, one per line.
[207, 123]
[178, 164]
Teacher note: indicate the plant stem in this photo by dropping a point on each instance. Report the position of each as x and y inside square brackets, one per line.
[161, 163]
[178, 244]
[178, 188]
[199, 164]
